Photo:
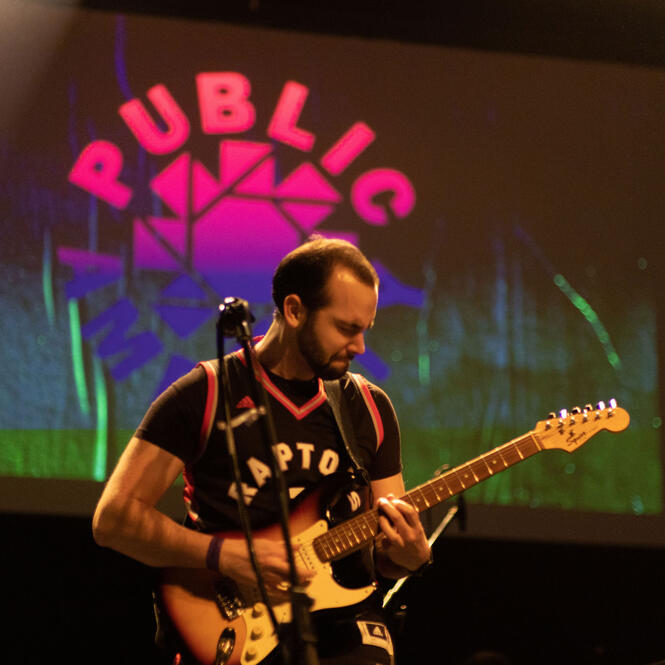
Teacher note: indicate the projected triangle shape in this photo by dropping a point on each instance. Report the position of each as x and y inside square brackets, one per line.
[306, 183]
[236, 158]
[307, 215]
[260, 181]
[184, 320]
[171, 184]
[205, 187]
[184, 287]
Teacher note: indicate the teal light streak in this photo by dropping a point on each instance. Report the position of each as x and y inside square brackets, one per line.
[424, 369]
[590, 315]
[102, 430]
[77, 357]
[47, 278]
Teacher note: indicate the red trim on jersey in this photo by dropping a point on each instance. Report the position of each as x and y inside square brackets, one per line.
[188, 494]
[371, 406]
[298, 412]
[210, 407]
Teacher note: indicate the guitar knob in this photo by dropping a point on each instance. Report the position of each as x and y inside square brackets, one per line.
[256, 633]
[250, 654]
[257, 611]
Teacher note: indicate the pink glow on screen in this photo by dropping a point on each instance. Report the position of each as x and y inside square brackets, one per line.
[260, 182]
[242, 234]
[172, 184]
[307, 215]
[236, 158]
[97, 169]
[347, 148]
[305, 182]
[145, 129]
[205, 187]
[224, 102]
[149, 250]
[380, 181]
[287, 113]
[84, 261]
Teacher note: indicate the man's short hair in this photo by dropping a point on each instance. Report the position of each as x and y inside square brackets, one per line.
[305, 271]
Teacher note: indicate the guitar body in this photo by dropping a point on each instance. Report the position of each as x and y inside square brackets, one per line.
[203, 605]
[213, 615]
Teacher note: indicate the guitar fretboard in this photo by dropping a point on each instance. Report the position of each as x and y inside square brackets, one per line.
[357, 532]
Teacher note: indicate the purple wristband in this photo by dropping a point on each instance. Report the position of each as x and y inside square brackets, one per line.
[212, 557]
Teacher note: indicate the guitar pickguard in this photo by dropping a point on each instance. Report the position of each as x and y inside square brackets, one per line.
[202, 605]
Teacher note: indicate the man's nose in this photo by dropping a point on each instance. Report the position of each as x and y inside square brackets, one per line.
[357, 344]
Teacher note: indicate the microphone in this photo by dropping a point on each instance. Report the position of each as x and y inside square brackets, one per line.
[235, 317]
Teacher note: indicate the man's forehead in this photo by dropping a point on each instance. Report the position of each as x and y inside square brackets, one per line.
[341, 276]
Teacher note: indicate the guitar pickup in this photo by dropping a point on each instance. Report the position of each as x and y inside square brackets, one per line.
[227, 597]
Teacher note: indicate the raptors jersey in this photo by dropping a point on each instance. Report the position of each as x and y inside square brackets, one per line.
[309, 447]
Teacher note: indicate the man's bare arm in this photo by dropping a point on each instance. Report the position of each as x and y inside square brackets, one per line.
[127, 520]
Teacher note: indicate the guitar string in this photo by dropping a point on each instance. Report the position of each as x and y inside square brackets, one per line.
[332, 543]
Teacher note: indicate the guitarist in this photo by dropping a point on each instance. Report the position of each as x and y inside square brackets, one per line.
[325, 293]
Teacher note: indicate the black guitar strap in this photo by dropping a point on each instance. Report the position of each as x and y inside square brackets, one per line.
[340, 409]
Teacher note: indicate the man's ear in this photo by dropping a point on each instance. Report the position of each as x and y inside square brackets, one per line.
[295, 312]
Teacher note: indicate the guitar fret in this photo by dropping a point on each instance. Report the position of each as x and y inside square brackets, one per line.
[487, 466]
[361, 529]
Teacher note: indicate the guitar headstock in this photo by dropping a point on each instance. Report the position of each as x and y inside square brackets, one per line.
[568, 430]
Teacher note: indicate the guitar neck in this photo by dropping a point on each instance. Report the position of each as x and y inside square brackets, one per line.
[359, 531]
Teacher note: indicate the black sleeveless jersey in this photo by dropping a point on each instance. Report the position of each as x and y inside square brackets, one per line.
[309, 447]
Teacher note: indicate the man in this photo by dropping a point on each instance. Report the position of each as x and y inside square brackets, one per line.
[326, 295]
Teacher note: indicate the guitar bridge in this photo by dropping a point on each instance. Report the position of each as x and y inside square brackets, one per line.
[227, 597]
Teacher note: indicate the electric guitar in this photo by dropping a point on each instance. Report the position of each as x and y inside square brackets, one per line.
[222, 622]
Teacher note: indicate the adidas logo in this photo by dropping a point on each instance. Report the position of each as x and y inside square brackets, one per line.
[377, 631]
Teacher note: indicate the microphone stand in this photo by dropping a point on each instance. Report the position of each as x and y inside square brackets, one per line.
[234, 321]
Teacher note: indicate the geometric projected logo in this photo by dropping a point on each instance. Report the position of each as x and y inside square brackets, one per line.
[222, 232]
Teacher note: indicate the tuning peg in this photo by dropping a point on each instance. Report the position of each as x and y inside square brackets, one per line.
[600, 406]
[613, 405]
[575, 411]
[588, 407]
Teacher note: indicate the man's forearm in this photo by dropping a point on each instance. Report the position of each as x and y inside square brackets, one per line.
[148, 535]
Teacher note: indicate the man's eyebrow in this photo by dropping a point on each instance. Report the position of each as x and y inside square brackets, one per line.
[353, 324]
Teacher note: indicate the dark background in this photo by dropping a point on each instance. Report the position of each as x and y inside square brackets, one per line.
[72, 602]
[536, 603]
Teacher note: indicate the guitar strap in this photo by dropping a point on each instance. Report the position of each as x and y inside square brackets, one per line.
[340, 409]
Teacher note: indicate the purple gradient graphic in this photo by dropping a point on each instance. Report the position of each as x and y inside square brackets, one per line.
[242, 235]
[154, 238]
[91, 270]
[222, 234]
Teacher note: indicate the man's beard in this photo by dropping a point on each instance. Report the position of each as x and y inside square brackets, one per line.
[311, 350]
